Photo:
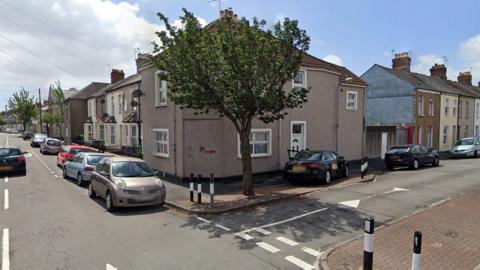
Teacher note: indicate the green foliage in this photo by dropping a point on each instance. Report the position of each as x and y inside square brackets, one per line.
[59, 97]
[235, 68]
[2, 121]
[52, 118]
[23, 106]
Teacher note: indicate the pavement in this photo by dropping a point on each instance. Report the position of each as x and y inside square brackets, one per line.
[450, 239]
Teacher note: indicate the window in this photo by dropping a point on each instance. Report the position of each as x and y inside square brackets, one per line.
[299, 79]
[112, 109]
[467, 109]
[429, 136]
[445, 135]
[124, 102]
[101, 132]
[160, 142]
[133, 136]
[420, 106]
[89, 133]
[430, 106]
[160, 91]
[446, 107]
[460, 109]
[89, 109]
[120, 105]
[420, 135]
[112, 135]
[454, 110]
[260, 143]
[351, 100]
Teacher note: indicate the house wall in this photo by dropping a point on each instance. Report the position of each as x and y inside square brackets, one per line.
[374, 140]
[466, 117]
[477, 117]
[75, 113]
[448, 119]
[427, 121]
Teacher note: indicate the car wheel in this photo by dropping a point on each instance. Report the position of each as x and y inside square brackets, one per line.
[80, 180]
[91, 192]
[475, 154]
[327, 178]
[390, 167]
[346, 172]
[109, 202]
[436, 162]
[65, 176]
[415, 164]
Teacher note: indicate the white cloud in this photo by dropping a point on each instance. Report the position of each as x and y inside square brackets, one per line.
[425, 62]
[470, 55]
[333, 59]
[82, 37]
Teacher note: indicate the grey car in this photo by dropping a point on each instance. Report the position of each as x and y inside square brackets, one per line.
[38, 139]
[126, 181]
[81, 166]
[51, 146]
[466, 147]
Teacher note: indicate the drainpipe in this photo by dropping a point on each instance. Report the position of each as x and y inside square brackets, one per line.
[175, 140]
[337, 116]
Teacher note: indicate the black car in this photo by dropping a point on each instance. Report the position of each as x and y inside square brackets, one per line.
[12, 160]
[38, 139]
[316, 166]
[27, 135]
[412, 156]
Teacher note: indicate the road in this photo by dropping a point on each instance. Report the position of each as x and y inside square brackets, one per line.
[50, 223]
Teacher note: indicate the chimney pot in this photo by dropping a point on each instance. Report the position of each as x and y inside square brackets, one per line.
[401, 61]
[465, 78]
[438, 71]
[228, 13]
[116, 75]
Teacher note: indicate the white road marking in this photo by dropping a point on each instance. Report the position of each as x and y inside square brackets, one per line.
[287, 241]
[395, 190]
[312, 251]
[56, 176]
[290, 219]
[244, 236]
[222, 227]
[267, 247]
[203, 220]
[5, 199]
[5, 250]
[262, 231]
[352, 203]
[110, 267]
[303, 265]
[6, 179]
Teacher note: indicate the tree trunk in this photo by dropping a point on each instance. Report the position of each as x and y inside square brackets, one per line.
[246, 163]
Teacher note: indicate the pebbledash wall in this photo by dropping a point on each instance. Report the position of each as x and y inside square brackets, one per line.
[204, 144]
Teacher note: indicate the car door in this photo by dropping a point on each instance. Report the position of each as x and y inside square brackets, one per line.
[69, 167]
[477, 144]
[77, 164]
[331, 161]
[95, 179]
[427, 155]
[104, 178]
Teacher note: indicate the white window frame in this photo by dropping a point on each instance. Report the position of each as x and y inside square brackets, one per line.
[89, 132]
[158, 88]
[100, 129]
[420, 105]
[454, 108]
[304, 84]
[446, 106]
[112, 134]
[167, 142]
[428, 136]
[431, 106]
[269, 143]
[445, 134]
[349, 108]
[112, 105]
[124, 101]
[120, 105]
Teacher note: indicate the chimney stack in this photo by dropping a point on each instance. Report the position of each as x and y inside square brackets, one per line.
[228, 13]
[438, 71]
[116, 75]
[401, 62]
[465, 78]
[142, 58]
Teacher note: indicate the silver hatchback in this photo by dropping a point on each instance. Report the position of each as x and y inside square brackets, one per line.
[466, 147]
[51, 146]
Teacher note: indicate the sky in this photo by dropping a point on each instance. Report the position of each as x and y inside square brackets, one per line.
[80, 41]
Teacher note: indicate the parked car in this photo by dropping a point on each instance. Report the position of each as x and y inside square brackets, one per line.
[69, 151]
[38, 139]
[27, 135]
[51, 146]
[126, 181]
[11, 130]
[466, 147]
[12, 160]
[81, 166]
[316, 166]
[412, 156]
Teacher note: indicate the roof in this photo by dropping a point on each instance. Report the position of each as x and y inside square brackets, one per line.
[68, 93]
[88, 90]
[135, 78]
[131, 117]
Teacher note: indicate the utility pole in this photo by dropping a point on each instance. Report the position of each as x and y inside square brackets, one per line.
[40, 110]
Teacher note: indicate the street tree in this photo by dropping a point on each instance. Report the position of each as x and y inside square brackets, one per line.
[234, 68]
[59, 104]
[23, 106]
[53, 119]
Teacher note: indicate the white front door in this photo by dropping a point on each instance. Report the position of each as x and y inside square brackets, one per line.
[384, 144]
[298, 135]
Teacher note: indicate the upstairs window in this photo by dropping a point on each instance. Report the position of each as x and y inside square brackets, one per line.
[124, 102]
[420, 106]
[120, 104]
[446, 107]
[160, 90]
[351, 100]
[460, 109]
[430, 106]
[112, 105]
[467, 109]
[300, 79]
[454, 109]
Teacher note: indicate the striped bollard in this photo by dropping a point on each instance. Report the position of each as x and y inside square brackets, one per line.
[368, 244]
[417, 251]
[212, 191]
[199, 193]
[191, 187]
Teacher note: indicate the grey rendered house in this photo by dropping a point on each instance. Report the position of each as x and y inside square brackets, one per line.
[75, 111]
[178, 142]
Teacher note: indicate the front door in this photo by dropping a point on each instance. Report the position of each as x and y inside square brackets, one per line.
[384, 144]
[298, 136]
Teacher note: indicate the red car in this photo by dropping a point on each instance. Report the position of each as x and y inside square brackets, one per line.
[69, 151]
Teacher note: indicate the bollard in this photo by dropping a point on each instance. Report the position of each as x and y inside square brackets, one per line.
[417, 251]
[191, 187]
[199, 189]
[368, 244]
[212, 192]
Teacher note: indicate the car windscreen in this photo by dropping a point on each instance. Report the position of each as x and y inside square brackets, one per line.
[53, 143]
[465, 142]
[307, 156]
[131, 169]
[40, 136]
[399, 149]
[93, 160]
[8, 152]
[75, 151]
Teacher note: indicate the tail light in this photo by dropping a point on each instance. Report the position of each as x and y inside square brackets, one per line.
[88, 169]
[312, 166]
[21, 159]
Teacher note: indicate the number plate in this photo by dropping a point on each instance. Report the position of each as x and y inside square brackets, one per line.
[298, 168]
[394, 157]
[334, 166]
[6, 168]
